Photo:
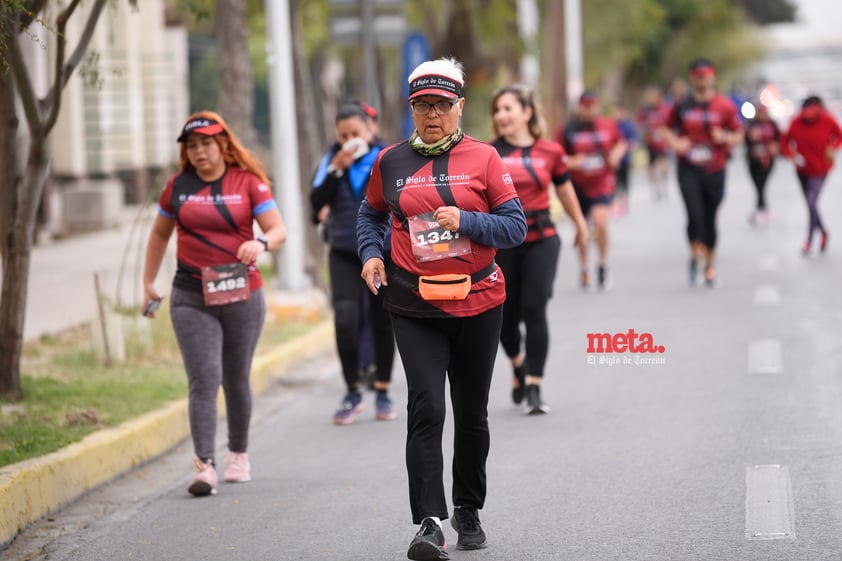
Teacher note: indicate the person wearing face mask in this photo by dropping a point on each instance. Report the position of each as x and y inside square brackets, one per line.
[339, 186]
[811, 142]
[452, 204]
[595, 148]
[536, 164]
[702, 129]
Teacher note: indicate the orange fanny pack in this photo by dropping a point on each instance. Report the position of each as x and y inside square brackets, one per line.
[444, 287]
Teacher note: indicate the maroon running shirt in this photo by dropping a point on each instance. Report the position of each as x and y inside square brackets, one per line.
[410, 186]
[595, 141]
[760, 136]
[695, 120]
[651, 119]
[533, 169]
[213, 220]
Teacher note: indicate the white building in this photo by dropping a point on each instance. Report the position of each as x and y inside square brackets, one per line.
[120, 113]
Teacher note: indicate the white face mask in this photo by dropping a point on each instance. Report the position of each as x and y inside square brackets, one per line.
[358, 145]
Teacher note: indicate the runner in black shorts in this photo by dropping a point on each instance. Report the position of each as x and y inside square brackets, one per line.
[702, 129]
[595, 147]
[530, 268]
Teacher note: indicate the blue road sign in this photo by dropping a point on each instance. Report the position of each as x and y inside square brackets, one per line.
[415, 51]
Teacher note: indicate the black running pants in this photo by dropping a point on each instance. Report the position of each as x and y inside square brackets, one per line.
[463, 351]
[702, 192]
[529, 270]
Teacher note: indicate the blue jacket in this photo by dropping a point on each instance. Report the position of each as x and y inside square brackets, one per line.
[343, 195]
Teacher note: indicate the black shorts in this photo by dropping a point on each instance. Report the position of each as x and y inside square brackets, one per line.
[586, 203]
[655, 154]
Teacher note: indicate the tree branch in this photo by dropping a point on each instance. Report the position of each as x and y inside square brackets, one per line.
[22, 81]
[30, 10]
[84, 40]
[65, 69]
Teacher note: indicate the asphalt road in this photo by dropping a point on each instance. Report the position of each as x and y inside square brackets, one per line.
[728, 447]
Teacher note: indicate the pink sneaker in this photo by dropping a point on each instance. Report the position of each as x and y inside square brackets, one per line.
[237, 468]
[204, 482]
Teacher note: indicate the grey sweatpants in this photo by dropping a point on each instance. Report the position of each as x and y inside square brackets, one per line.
[217, 346]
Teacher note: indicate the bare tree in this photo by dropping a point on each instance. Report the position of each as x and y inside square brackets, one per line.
[21, 190]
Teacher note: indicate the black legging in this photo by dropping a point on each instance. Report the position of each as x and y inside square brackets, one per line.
[759, 175]
[462, 350]
[346, 286]
[702, 192]
[529, 270]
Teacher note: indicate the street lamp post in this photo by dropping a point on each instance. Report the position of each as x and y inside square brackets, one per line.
[573, 50]
[284, 134]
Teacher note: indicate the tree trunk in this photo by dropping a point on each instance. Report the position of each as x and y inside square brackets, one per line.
[12, 310]
[8, 155]
[16, 270]
[554, 74]
[309, 145]
[236, 75]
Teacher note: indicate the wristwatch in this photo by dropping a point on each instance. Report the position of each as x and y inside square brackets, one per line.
[335, 172]
[264, 241]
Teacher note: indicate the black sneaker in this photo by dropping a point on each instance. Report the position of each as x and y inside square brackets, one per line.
[428, 544]
[534, 405]
[601, 276]
[519, 391]
[465, 521]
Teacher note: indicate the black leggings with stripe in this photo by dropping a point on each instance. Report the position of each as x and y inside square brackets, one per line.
[530, 271]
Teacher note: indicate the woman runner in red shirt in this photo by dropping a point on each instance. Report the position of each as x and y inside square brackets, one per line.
[216, 305]
[530, 268]
[452, 203]
[762, 147]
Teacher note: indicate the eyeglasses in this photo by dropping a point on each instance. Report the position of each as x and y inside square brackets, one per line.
[442, 107]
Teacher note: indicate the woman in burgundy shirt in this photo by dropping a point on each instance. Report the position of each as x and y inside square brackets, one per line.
[762, 147]
[535, 163]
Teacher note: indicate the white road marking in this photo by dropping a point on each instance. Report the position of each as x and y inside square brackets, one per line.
[770, 513]
[765, 357]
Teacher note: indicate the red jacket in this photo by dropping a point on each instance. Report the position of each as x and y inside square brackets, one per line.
[806, 142]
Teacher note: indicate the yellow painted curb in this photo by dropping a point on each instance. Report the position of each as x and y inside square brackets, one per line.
[36, 487]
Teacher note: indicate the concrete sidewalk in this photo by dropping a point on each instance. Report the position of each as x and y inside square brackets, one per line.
[62, 296]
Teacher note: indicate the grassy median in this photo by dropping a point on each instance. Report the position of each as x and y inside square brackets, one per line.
[70, 393]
